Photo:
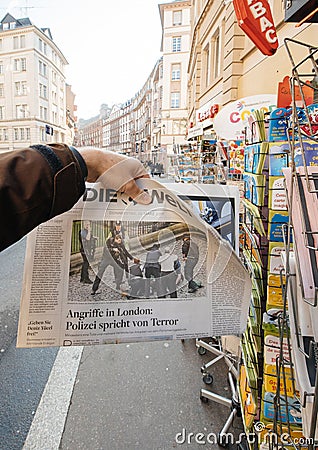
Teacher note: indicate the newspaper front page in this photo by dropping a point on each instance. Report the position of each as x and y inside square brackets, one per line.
[111, 270]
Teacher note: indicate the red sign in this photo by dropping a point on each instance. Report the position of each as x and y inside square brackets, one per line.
[209, 113]
[255, 19]
[284, 96]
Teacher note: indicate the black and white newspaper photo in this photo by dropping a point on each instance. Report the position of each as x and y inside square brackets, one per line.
[111, 270]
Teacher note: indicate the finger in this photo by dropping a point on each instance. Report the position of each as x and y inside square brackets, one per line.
[121, 173]
[132, 190]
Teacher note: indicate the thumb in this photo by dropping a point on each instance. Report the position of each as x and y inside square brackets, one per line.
[139, 195]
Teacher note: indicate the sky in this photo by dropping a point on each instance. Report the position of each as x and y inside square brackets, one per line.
[111, 45]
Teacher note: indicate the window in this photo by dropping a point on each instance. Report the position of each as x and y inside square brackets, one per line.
[175, 99]
[1, 67]
[44, 136]
[42, 68]
[4, 134]
[19, 65]
[175, 72]
[42, 46]
[18, 42]
[217, 54]
[206, 65]
[0, 44]
[1, 90]
[43, 90]
[2, 112]
[43, 112]
[21, 111]
[21, 134]
[20, 88]
[177, 18]
[176, 44]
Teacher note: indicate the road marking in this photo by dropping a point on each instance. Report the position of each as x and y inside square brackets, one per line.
[48, 424]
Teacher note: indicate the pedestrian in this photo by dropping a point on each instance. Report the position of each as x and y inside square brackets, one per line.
[87, 250]
[160, 170]
[43, 181]
[152, 269]
[170, 268]
[190, 253]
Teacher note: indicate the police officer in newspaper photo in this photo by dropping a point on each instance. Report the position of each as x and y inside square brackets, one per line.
[190, 253]
[170, 272]
[87, 250]
[116, 255]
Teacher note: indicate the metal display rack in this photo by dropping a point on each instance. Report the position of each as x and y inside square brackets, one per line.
[215, 347]
[301, 270]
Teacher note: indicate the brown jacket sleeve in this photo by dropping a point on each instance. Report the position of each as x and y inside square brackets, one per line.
[36, 184]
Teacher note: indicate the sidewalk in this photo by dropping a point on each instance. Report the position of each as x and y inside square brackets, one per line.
[144, 396]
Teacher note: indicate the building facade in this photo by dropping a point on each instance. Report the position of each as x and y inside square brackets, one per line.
[32, 86]
[175, 46]
[226, 67]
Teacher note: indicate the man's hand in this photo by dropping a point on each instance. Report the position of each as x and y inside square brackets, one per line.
[117, 172]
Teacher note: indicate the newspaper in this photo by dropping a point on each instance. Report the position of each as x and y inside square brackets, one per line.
[171, 276]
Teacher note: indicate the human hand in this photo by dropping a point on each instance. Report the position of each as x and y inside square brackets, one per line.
[116, 171]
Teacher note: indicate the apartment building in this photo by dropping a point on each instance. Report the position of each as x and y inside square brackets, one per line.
[71, 117]
[226, 68]
[128, 129]
[32, 86]
[175, 46]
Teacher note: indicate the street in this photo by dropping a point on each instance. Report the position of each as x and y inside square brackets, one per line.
[23, 372]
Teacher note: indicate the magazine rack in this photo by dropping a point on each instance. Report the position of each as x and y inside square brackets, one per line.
[299, 318]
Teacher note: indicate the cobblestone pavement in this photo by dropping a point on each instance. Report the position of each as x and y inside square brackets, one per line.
[81, 292]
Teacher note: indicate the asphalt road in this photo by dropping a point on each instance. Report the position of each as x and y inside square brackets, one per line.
[23, 372]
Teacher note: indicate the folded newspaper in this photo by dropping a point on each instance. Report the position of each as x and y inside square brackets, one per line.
[111, 270]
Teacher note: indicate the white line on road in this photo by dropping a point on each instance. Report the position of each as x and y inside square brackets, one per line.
[48, 424]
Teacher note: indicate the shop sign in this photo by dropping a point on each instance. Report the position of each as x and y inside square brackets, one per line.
[195, 131]
[284, 97]
[231, 121]
[255, 19]
[209, 113]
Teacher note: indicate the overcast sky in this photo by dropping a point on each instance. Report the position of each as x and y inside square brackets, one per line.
[111, 45]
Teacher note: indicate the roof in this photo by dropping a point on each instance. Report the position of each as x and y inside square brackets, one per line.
[8, 18]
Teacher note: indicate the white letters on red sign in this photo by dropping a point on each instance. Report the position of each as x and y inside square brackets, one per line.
[255, 18]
